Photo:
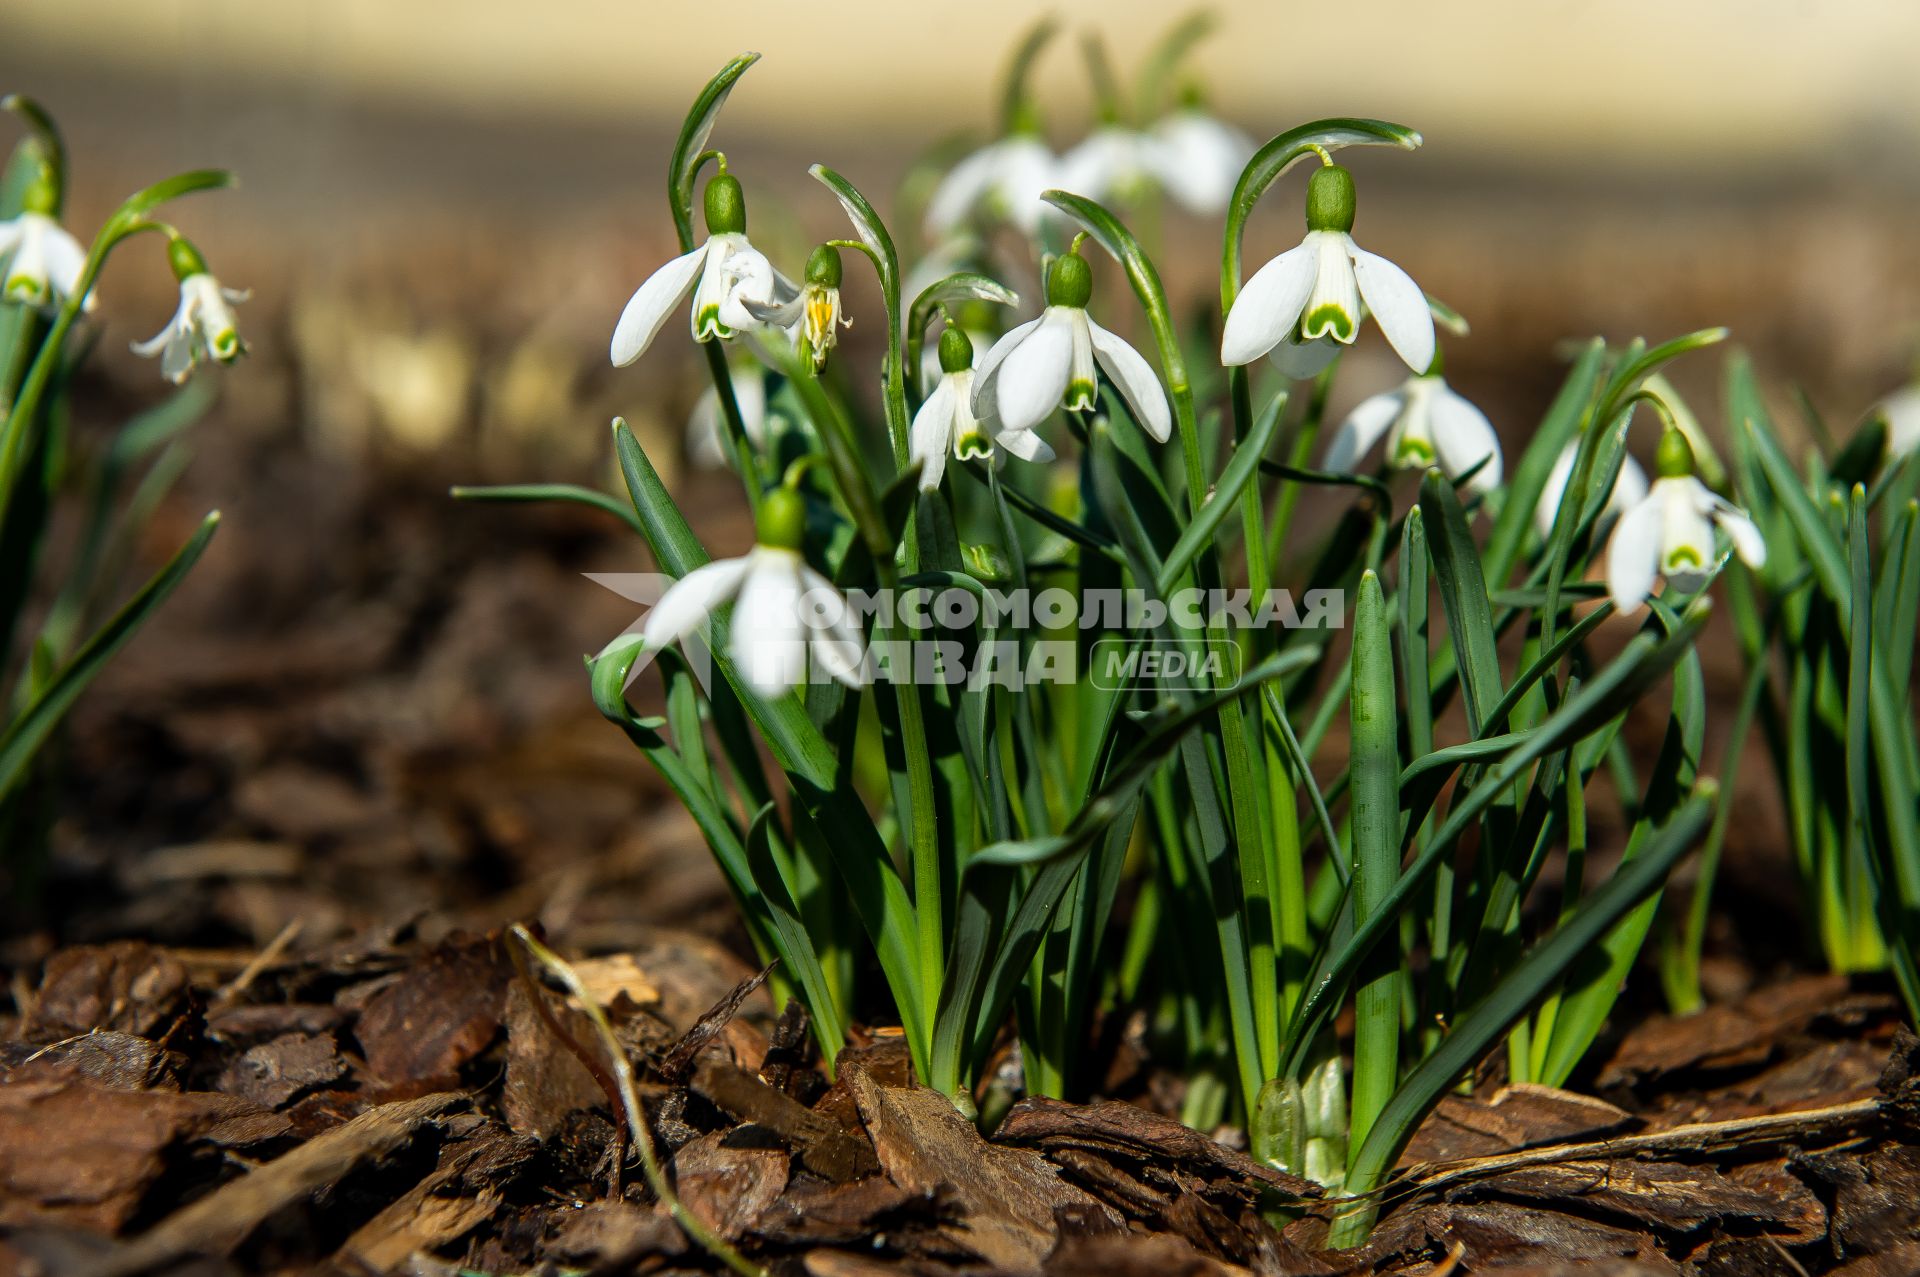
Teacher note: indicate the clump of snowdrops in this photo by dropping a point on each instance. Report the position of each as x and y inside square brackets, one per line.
[998, 841]
[59, 633]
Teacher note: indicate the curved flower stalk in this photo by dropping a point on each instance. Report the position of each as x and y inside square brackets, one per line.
[203, 326]
[1308, 302]
[706, 424]
[1049, 362]
[947, 421]
[727, 276]
[1670, 532]
[1426, 424]
[1629, 490]
[784, 611]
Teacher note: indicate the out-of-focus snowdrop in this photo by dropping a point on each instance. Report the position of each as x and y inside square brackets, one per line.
[1670, 532]
[43, 262]
[203, 325]
[707, 424]
[1114, 164]
[732, 277]
[1902, 412]
[1199, 158]
[1426, 424]
[1629, 490]
[1003, 179]
[1306, 303]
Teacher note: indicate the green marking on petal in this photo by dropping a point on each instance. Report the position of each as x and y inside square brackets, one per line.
[972, 444]
[1684, 556]
[1414, 453]
[1080, 395]
[226, 346]
[1328, 319]
[707, 325]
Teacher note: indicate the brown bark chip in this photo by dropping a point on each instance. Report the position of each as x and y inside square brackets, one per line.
[82, 1155]
[128, 987]
[1007, 1198]
[438, 1014]
[274, 1073]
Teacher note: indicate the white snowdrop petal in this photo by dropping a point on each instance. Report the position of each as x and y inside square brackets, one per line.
[768, 642]
[1268, 306]
[650, 305]
[1398, 306]
[66, 260]
[689, 601]
[1355, 437]
[833, 638]
[984, 376]
[1029, 383]
[1746, 538]
[1134, 375]
[1300, 360]
[1462, 436]
[960, 191]
[1025, 444]
[932, 434]
[1633, 554]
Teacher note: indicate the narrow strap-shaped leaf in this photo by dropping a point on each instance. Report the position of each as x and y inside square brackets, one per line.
[1463, 593]
[1475, 1031]
[30, 729]
[796, 946]
[569, 493]
[1244, 464]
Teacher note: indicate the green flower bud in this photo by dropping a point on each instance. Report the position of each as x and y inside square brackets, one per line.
[185, 259]
[823, 267]
[956, 351]
[1674, 458]
[42, 194]
[783, 519]
[987, 563]
[1070, 282]
[1330, 199]
[726, 206]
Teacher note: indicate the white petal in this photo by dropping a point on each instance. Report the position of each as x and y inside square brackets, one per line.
[1025, 171]
[1746, 538]
[1633, 555]
[1268, 307]
[66, 260]
[835, 641]
[1462, 436]
[769, 642]
[1688, 549]
[1025, 444]
[1355, 436]
[960, 191]
[650, 305]
[1554, 491]
[1134, 375]
[984, 375]
[179, 357]
[1303, 359]
[932, 433]
[151, 346]
[1902, 410]
[1029, 384]
[751, 284]
[689, 601]
[1629, 487]
[1398, 306]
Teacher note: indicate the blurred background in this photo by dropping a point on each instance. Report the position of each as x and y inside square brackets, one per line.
[444, 206]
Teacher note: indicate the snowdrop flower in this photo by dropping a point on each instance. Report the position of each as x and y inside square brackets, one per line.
[732, 275]
[1002, 179]
[46, 262]
[1320, 291]
[783, 610]
[1048, 363]
[813, 315]
[1113, 163]
[203, 327]
[707, 426]
[1670, 531]
[1199, 159]
[1426, 424]
[946, 421]
[1629, 490]
[1902, 411]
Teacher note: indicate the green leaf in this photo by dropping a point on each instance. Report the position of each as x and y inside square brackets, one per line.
[568, 493]
[29, 731]
[1475, 1031]
[796, 947]
[1244, 464]
[1463, 593]
[690, 148]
